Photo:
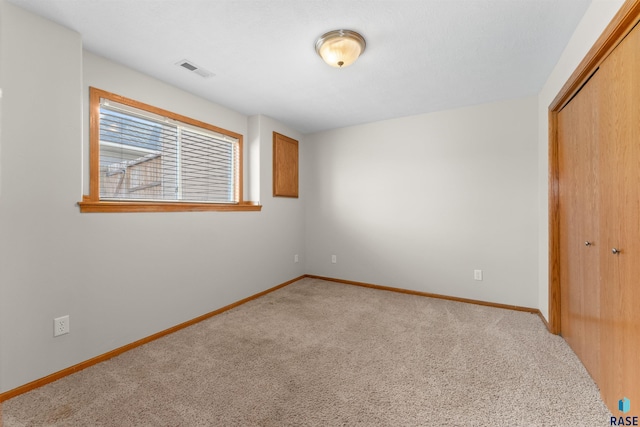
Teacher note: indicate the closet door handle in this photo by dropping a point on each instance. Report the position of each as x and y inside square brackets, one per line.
[615, 251]
[587, 243]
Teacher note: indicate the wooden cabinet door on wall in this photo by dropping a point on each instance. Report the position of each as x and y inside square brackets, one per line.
[578, 213]
[619, 170]
[285, 166]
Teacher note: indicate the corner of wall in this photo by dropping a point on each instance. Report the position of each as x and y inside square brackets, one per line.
[2, 286]
[253, 150]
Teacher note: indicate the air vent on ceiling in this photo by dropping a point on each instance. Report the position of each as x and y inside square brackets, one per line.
[188, 65]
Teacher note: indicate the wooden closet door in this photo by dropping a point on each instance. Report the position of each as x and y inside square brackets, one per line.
[578, 213]
[619, 134]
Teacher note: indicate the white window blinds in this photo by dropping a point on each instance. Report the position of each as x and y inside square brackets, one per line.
[144, 156]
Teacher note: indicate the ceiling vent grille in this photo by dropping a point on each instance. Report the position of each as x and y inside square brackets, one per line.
[190, 66]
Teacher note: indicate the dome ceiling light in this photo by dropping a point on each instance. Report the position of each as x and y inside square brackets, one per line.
[340, 48]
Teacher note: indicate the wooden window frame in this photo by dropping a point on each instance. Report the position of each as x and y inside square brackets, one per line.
[92, 203]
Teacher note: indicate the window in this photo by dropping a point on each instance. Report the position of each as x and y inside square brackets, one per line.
[143, 158]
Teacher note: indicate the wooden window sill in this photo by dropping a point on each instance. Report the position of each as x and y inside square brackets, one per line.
[89, 206]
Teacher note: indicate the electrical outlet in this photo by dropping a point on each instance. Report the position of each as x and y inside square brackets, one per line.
[477, 274]
[296, 258]
[60, 326]
[334, 259]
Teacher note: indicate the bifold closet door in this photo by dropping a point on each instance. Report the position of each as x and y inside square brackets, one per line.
[619, 172]
[578, 213]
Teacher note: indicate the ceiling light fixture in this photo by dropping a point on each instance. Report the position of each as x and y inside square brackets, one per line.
[340, 48]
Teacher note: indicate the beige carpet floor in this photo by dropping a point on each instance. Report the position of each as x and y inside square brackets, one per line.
[317, 353]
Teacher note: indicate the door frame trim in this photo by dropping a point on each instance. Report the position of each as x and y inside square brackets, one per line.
[621, 24]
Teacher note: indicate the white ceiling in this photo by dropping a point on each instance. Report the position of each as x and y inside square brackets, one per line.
[421, 55]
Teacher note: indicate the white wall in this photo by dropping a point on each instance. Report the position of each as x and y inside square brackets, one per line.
[120, 277]
[3, 293]
[593, 23]
[420, 202]
[41, 84]
[417, 203]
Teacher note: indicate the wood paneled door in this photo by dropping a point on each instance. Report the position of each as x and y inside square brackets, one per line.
[595, 228]
[579, 225]
[619, 171]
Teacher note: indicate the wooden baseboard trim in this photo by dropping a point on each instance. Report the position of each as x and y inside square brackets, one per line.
[545, 322]
[430, 295]
[113, 353]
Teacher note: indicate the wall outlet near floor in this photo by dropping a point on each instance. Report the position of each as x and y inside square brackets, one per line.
[477, 274]
[334, 259]
[60, 326]
[296, 258]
